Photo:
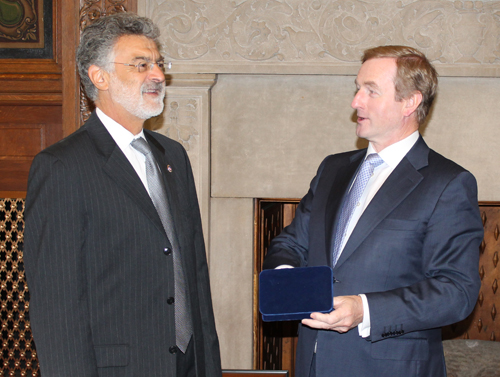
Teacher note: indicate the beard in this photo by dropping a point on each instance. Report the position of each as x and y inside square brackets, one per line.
[136, 104]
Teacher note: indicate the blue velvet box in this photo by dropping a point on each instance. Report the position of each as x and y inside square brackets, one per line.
[294, 293]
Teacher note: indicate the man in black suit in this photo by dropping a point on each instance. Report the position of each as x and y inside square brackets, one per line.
[404, 245]
[104, 243]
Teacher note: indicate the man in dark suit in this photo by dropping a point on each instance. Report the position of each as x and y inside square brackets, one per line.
[401, 231]
[114, 251]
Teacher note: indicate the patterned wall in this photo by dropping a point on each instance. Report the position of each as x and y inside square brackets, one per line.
[224, 34]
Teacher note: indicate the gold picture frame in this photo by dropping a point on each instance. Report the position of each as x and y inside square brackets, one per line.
[21, 24]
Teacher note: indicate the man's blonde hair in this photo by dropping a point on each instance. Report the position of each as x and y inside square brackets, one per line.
[414, 74]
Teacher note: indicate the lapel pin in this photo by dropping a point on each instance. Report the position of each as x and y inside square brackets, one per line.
[169, 168]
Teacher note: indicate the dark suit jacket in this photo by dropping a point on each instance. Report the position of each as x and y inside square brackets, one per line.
[414, 252]
[98, 276]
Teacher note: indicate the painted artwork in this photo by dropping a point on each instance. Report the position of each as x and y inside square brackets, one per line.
[21, 24]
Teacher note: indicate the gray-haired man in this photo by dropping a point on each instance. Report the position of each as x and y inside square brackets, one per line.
[114, 251]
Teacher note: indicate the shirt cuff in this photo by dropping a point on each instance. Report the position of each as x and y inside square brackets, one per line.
[364, 327]
[283, 266]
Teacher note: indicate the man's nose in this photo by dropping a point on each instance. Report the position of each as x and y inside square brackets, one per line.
[356, 101]
[156, 74]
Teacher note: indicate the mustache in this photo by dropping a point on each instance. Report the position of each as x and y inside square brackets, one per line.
[153, 86]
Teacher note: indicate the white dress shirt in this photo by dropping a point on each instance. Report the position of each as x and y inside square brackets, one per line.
[123, 138]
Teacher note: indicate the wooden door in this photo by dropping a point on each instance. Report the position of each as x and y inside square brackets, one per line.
[274, 342]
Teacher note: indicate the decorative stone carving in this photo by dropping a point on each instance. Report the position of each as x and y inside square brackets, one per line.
[328, 32]
[180, 121]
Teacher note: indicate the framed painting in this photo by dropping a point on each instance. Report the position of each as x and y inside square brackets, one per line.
[26, 29]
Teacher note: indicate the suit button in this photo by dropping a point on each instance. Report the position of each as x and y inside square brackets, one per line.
[167, 251]
[173, 349]
[170, 300]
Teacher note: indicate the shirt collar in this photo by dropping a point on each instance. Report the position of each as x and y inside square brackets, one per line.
[120, 134]
[394, 153]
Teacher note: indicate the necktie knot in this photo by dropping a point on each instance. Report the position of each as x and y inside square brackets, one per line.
[374, 159]
[141, 145]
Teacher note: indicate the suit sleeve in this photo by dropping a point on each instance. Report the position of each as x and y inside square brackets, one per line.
[450, 258]
[291, 246]
[55, 270]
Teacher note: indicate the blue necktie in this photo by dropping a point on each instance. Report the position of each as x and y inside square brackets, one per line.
[352, 199]
[158, 194]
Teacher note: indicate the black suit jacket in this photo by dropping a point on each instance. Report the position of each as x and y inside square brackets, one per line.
[414, 252]
[98, 276]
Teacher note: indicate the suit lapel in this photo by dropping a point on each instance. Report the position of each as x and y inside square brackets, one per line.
[119, 169]
[395, 189]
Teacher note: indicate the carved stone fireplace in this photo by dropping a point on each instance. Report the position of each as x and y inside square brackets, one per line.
[260, 91]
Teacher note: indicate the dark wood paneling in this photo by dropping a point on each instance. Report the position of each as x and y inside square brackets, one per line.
[274, 342]
[24, 131]
[31, 83]
[31, 97]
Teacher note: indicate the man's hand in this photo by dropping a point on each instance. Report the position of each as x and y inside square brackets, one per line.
[348, 314]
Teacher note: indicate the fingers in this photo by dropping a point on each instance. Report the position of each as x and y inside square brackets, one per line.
[329, 321]
[348, 314]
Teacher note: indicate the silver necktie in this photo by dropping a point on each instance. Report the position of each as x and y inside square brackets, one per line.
[158, 194]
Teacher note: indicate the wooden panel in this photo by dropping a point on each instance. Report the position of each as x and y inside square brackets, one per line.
[31, 97]
[20, 140]
[21, 66]
[274, 342]
[24, 131]
[31, 83]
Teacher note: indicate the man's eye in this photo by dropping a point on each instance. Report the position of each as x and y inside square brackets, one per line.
[142, 66]
[161, 65]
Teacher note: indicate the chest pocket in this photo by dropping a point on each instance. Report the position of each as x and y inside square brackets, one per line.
[400, 224]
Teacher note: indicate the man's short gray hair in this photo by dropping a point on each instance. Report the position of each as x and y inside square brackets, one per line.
[98, 40]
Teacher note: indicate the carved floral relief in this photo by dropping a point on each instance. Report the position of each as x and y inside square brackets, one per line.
[179, 121]
[325, 31]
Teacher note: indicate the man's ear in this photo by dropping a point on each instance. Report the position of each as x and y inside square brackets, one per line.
[412, 103]
[99, 77]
